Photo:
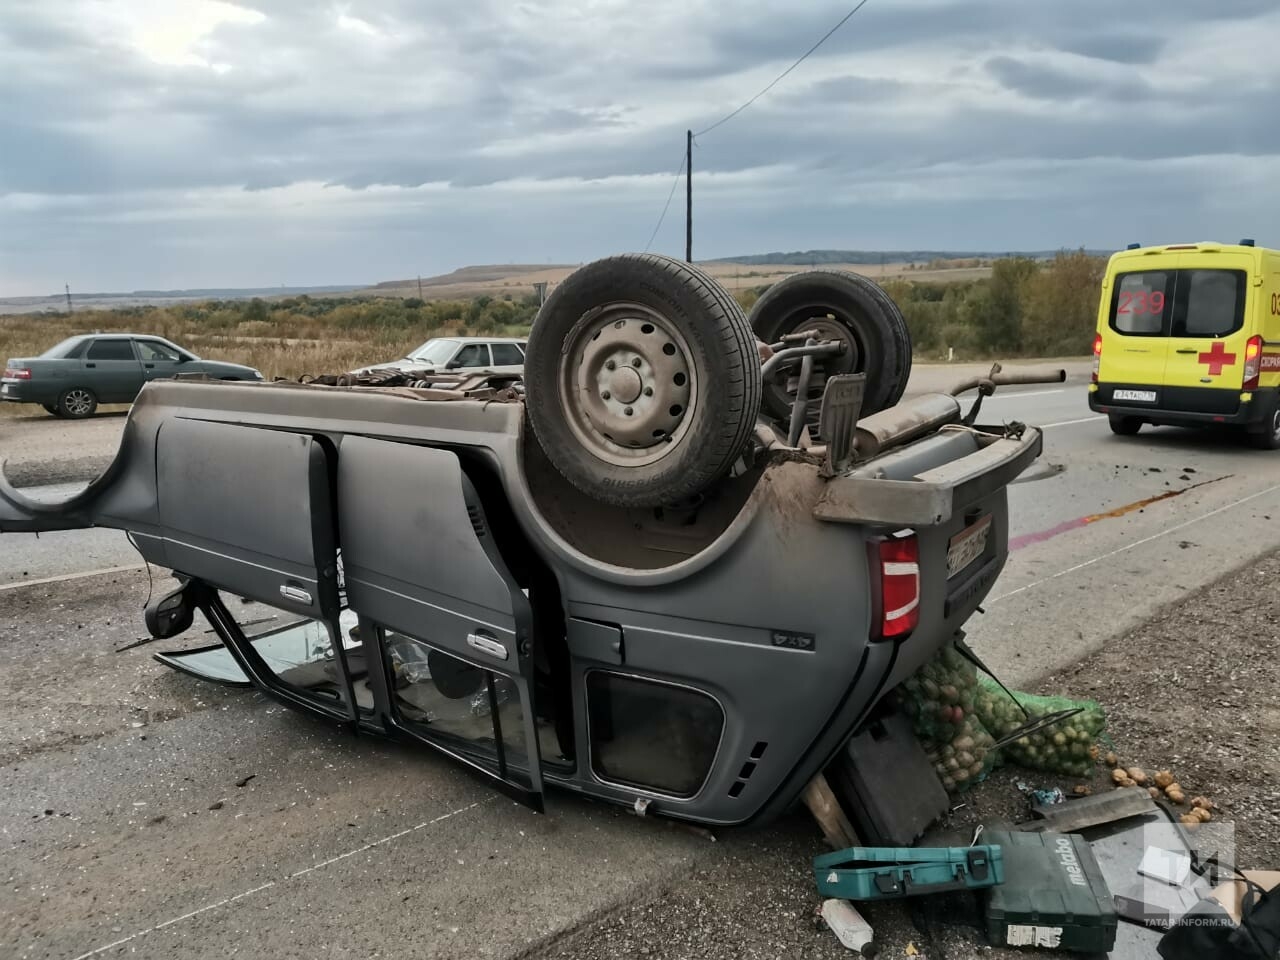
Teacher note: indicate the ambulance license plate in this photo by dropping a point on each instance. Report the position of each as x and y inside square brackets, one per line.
[1142, 396]
[967, 546]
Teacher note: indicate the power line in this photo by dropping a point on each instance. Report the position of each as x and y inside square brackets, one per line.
[826, 36]
[675, 182]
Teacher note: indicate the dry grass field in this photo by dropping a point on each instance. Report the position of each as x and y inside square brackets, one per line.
[518, 281]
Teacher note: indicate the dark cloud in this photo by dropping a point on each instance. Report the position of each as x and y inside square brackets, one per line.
[551, 130]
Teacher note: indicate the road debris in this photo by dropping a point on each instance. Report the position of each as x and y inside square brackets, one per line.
[848, 925]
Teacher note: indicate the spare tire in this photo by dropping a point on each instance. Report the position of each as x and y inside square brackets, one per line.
[642, 380]
[840, 306]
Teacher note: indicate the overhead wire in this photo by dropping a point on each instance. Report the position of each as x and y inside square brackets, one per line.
[675, 182]
[729, 116]
[776, 80]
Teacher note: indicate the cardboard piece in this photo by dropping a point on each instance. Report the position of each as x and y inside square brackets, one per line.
[1231, 894]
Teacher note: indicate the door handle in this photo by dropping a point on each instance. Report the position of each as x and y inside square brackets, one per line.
[486, 644]
[90, 364]
[149, 366]
[1180, 350]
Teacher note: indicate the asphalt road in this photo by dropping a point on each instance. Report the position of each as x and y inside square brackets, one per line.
[123, 830]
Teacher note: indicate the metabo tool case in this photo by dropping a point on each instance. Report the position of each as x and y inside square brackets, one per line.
[1054, 897]
[887, 873]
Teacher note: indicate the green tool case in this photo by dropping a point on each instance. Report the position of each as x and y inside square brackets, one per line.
[1055, 896]
[887, 873]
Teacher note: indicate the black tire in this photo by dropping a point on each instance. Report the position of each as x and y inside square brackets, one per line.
[77, 403]
[1269, 437]
[678, 404]
[843, 305]
[1124, 426]
[51, 409]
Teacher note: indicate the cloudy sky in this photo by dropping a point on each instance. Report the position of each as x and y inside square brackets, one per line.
[179, 143]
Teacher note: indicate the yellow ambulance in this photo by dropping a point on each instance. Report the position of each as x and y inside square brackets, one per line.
[1189, 335]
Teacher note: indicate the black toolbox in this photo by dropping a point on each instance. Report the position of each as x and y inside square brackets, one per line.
[1053, 895]
[886, 785]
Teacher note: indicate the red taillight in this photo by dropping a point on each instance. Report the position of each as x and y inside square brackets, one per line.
[899, 586]
[1097, 355]
[17, 373]
[1252, 363]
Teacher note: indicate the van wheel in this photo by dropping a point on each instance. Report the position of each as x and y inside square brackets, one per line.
[77, 403]
[1125, 426]
[844, 307]
[642, 380]
[1269, 438]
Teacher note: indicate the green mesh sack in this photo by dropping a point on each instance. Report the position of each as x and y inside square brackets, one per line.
[940, 699]
[1068, 748]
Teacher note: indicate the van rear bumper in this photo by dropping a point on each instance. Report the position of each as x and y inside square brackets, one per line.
[1188, 406]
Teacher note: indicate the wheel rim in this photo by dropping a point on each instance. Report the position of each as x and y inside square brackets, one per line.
[627, 384]
[1275, 425]
[830, 324]
[78, 402]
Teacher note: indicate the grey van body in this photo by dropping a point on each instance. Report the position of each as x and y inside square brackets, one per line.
[702, 663]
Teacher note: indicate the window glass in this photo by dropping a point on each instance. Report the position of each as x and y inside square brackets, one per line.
[465, 708]
[1140, 302]
[1209, 303]
[507, 355]
[473, 355]
[652, 735]
[152, 350]
[67, 349]
[299, 651]
[111, 350]
[434, 351]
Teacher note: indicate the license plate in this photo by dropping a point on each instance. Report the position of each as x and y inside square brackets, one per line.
[967, 546]
[1142, 396]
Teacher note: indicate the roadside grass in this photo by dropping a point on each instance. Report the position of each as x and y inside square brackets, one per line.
[295, 349]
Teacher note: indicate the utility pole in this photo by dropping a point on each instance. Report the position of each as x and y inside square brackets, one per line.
[688, 197]
[68, 289]
[419, 286]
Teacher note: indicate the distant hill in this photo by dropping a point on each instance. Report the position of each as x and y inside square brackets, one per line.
[217, 293]
[482, 273]
[809, 257]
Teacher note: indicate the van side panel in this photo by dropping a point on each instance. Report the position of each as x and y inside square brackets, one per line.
[1269, 320]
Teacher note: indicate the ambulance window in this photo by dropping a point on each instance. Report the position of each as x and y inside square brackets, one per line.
[1209, 303]
[1141, 302]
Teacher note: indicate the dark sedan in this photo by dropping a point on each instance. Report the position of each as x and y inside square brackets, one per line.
[71, 379]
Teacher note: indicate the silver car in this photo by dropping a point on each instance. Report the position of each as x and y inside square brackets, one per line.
[440, 354]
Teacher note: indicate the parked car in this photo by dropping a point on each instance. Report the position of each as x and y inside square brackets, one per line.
[71, 379]
[439, 354]
[635, 581]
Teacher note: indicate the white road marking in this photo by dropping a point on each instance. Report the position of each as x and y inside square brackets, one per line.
[1026, 393]
[14, 585]
[272, 883]
[1136, 543]
[1068, 423]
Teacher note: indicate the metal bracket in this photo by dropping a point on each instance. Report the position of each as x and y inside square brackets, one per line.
[838, 420]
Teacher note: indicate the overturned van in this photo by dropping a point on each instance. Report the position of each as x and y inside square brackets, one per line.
[566, 580]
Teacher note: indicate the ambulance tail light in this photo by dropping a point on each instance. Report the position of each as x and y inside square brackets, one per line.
[1252, 363]
[1097, 355]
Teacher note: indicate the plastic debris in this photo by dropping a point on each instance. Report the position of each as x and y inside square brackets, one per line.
[847, 924]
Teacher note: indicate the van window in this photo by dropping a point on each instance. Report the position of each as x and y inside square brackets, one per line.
[1178, 303]
[1140, 302]
[1208, 303]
